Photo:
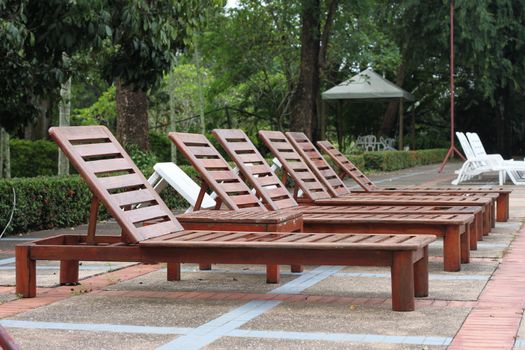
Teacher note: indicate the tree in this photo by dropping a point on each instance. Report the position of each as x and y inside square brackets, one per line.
[145, 38]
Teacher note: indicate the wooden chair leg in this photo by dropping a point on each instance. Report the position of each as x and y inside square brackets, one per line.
[478, 219]
[451, 249]
[173, 271]
[465, 246]
[402, 274]
[69, 272]
[296, 268]
[25, 272]
[486, 222]
[421, 275]
[502, 213]
[273, 274]
[493, 215]
[473, 236]
[204, 267]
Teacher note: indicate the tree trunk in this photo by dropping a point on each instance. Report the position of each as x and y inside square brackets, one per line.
[64, 114]
[390, 116]
[5, 155]
[132, 116]
[304, 106]
[38, 129]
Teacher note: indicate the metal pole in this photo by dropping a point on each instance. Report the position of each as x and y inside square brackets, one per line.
[452, 148]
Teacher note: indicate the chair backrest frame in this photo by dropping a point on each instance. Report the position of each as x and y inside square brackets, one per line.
[295, 166]
[255, 169]
[116, 182]
[319, 166]
[346, 166]
[215, 171]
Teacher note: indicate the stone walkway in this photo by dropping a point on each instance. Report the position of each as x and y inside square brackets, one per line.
[132, 306]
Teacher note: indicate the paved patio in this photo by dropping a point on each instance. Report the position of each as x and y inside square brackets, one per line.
[130, 306]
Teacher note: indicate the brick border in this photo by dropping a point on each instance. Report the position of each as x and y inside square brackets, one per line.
[494, 322]
[46, 296]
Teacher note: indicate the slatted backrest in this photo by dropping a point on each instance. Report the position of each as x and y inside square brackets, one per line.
[215, 171]
[347, 166]
[294, 165]
[465, 145]
[318, 164]
[116, 181]
[476, 144]
[255, 169]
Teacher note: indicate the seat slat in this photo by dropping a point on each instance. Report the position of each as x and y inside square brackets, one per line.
[159, 229]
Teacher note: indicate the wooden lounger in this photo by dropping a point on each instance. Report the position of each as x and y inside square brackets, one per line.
[347, 168]
[118, 184]
[314, 192]
[236, 195]
[256, 171]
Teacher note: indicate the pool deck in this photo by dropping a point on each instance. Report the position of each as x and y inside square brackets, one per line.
[132, 306]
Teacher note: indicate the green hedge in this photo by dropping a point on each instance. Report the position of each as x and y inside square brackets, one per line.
[58, 201]
[33, 158]
[396, 160]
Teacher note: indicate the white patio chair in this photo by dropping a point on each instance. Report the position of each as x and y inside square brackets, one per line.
[170, 174]
[472, 166]
[514, 169]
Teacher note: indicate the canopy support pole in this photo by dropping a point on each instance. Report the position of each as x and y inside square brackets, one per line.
[401, 125]
[452, 150]
[413, 127]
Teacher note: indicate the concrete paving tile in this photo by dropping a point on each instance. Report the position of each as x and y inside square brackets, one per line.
[361, 319]
[234, 343]
[134, 311]
[37, 339]
[202, 282]
[363, 287]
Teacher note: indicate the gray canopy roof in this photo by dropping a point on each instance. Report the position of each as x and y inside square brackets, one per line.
[366, 85]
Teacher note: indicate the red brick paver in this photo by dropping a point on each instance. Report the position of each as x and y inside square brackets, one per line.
[46, 296]
[494, 321]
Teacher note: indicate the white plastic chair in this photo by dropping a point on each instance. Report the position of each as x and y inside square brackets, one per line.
[170, 174]
[514, 169]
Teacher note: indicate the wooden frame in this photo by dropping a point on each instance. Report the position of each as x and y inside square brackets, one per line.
[305, 180]
[150, 233]
[347, 168]
[208, 161]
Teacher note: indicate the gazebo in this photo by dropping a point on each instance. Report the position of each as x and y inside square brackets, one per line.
[369, 85]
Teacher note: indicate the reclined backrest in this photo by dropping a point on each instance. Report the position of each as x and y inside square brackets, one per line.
[465, 145]
[318, 164]
[215, 171]
[255, 169]
[115, 181]
[476, 144]
[347, 166]
[294, 165]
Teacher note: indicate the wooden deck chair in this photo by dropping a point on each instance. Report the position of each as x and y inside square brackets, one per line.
[271, 190]
[455, 228]
[117, 183]
[347, 168]
[314, 192]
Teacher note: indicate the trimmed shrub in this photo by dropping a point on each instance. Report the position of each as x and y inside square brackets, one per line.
[33, 158]
[396, 160]
[58, 201]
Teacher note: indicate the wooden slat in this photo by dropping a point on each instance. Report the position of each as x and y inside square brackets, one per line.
[96, 149]
[121, 181]
[109, 165]
[90, 133]
[132, 197]
[158, 229]
[145, 213]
